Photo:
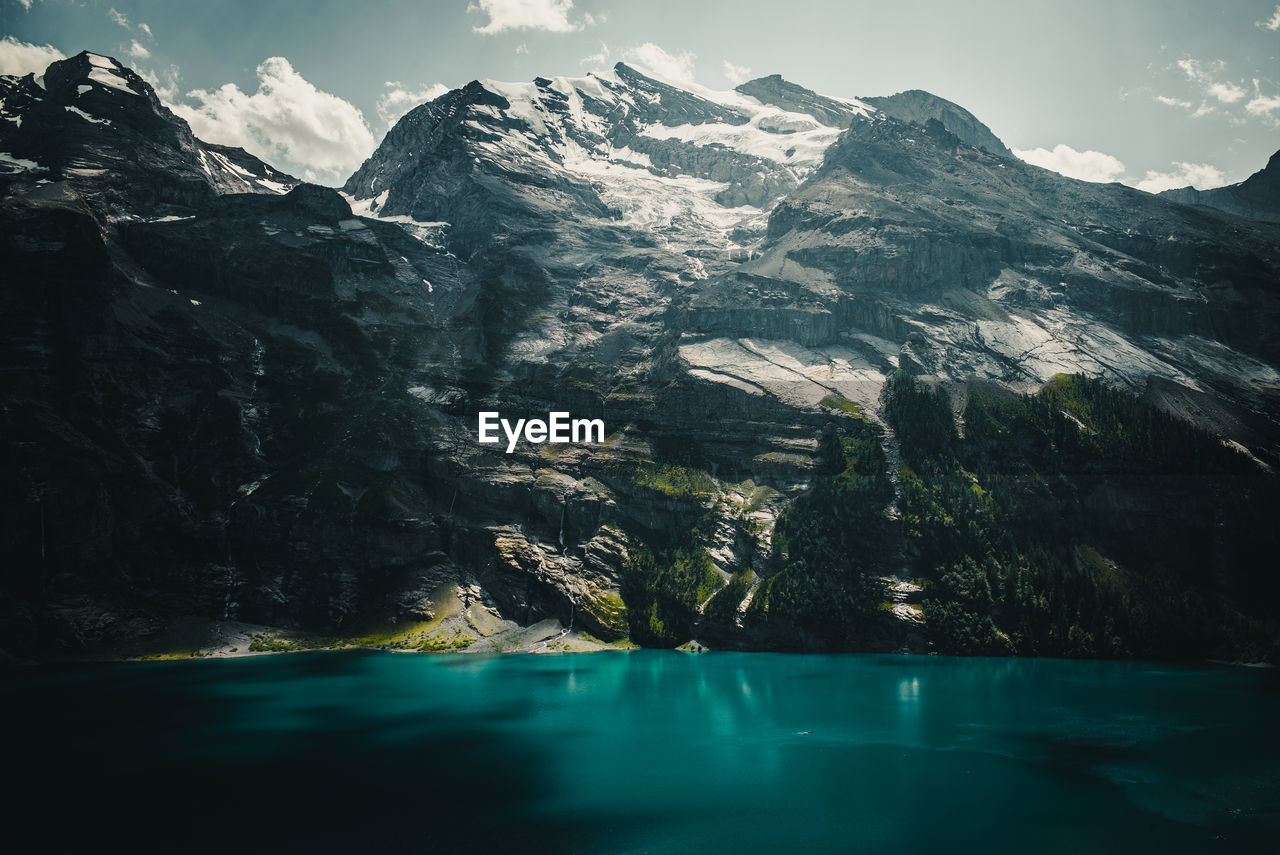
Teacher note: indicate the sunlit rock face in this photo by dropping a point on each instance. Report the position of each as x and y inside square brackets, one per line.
[240, 396]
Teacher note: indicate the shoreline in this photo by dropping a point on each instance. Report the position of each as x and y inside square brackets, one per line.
[451, 622]
[238, 640]
[461, 633]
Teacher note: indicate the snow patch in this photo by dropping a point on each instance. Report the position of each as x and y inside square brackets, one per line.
[82, 114]
[11, 164]
[229, 165]
[803, 148]
[112, 79]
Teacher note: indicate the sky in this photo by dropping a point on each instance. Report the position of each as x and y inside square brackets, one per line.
[1153, 94]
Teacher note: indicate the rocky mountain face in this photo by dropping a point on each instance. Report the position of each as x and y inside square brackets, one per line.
[1256, 198]
[237, 396]
[918, 106]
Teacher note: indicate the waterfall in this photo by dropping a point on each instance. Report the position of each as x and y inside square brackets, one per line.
[564, 509]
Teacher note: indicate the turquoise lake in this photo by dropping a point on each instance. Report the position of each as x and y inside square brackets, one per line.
[647, 751]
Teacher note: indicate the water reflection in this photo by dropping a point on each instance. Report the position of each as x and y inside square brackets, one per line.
[653, 751]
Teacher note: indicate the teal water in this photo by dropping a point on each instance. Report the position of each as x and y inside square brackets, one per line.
[656, 752]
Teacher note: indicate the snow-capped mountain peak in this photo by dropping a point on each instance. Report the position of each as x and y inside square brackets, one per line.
[624, 145]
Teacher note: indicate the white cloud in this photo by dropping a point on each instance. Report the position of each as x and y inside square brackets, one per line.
[598, 59]
[1198, 175]
[549, 15]
[677, 67]
[1272, 23]
[522, 48]
[146, 30]
[1212, 91]
[1201, 72]
[1265, 107]
[164, 82]
[736, 74]
[288, 121]
[26, 4]
[20, 57]
[137, 51]
[1085, 165]
[398, 100]
[118, 17]
[1227, 93]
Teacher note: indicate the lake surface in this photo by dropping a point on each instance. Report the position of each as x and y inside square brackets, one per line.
[657, 752]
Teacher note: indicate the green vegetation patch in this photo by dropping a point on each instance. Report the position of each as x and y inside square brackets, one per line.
[673, 479]
[441, 642]
[837, 401]
[609, 611]
[664, 582]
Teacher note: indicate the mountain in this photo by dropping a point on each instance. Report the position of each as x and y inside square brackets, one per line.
[89, 119]
[839, 346]
[1257, 197]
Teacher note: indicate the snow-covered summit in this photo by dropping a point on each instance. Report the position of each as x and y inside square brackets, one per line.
[646, 152]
